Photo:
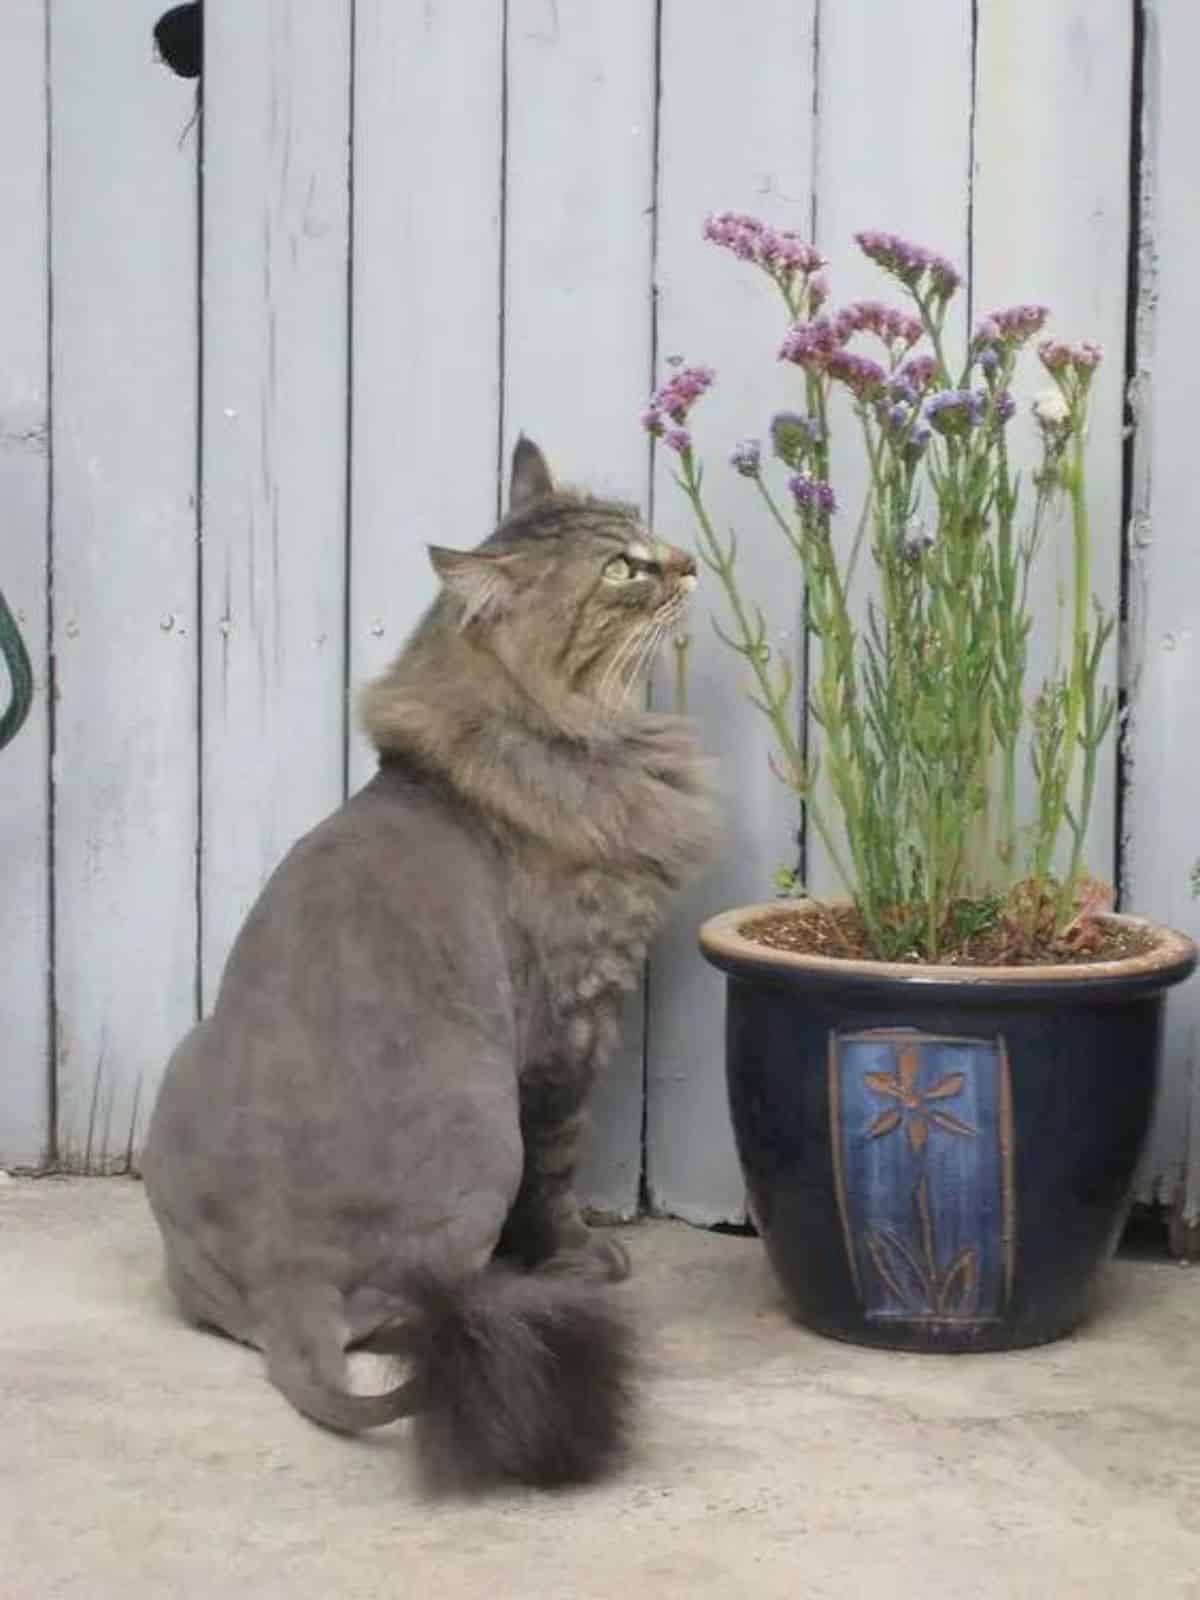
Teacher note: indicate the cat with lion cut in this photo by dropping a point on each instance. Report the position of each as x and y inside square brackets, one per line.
[370, 1142]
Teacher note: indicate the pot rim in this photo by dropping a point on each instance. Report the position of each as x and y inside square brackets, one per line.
[722, 942]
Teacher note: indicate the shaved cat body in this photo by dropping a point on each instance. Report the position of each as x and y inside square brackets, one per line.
[371, 1141]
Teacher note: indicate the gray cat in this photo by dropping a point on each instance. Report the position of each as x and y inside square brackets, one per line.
[370, 1143]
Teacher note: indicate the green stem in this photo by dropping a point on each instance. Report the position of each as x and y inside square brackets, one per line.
[1077, 681]
[682, 644]
[773, 705]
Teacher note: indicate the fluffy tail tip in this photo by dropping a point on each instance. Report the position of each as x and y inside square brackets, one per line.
[523, 1378]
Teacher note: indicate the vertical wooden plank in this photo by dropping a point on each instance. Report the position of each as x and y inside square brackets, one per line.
[1162, 658]
[24, 832]
[893, 153]
[578, 230]
[735, 132]
[275, 285]
[123, 247]
[1051, 219]
[428, 163]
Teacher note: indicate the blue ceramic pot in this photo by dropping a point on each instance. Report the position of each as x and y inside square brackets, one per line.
[938, 1158]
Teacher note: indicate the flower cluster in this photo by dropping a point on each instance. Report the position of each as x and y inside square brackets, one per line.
[1082, 359]
[672, 402]
[1013, 326]
[1072, 366]
[919, 371]
[746, 458]
[778, 250]
[917, 268]
[793, 436]
[812, 494]
[934, 692]
[810, 344]
[1051, 410]
[955, 411]
[887, 323]
[865, 379]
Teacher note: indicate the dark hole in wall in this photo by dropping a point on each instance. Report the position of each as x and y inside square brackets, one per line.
[179, 35]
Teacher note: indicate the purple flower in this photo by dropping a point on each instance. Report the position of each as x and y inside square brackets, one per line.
[1088, 355]
[778, 250]
[812, 494]
[1005, 406]
[911, 263]
[676, 397]
[988, 359]
[955, 411]
[1013, 326]
[746, 458]
[792, 434]
[865, 379]
[1055, 355]
[678, 439]
[886, 322]
[898, 412]
[895, 255]
[818, 292]
[919, 371]
[1080, 360]
[810, 344]
[918, 442]
[944, 277]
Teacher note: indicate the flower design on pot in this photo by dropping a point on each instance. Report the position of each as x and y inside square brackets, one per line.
[913, 1111]
[923, 1173]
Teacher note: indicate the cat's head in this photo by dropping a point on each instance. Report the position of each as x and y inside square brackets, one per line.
[572, 592]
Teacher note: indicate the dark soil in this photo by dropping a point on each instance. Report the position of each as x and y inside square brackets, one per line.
[819, 930]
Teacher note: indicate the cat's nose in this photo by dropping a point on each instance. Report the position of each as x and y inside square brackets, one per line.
[676, 563]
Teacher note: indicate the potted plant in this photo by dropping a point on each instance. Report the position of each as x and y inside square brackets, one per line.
[20, 675]
[940, 1084]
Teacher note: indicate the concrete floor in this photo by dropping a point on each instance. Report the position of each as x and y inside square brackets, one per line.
[140, 1458]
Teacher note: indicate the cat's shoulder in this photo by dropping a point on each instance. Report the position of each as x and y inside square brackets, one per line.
[397, 832]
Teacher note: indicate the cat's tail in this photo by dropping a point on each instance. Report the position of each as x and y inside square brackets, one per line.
[525, 1377]
[306, 1361]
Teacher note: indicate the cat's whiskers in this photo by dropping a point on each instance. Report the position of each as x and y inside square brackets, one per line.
[651, 640]
[614, 674]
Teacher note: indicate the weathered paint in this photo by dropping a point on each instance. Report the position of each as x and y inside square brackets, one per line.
[275, 351]
[428, 169]
[123, 435]
[24, 484]
[1162, 655]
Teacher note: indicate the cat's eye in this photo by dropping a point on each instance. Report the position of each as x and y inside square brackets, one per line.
[617, 570]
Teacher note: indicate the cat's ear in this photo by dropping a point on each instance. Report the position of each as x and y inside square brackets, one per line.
[481, 579]
[530, 479]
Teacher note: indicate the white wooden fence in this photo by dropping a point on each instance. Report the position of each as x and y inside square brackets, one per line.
[251, 362]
